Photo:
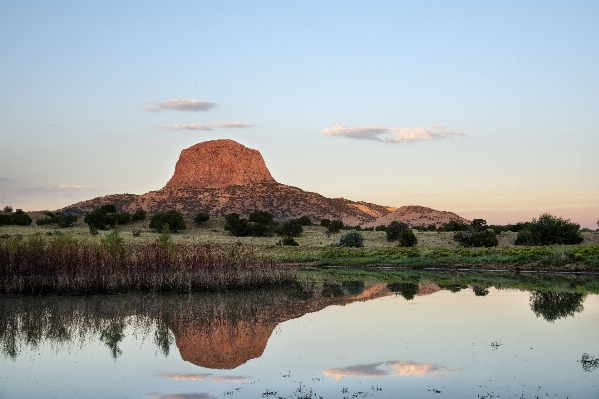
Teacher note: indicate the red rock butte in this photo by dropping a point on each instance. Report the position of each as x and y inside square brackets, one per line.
[219, 163]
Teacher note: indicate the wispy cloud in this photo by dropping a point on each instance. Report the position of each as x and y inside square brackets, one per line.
[383, 369]
[185, 126]
[180, 105]
[392, 135]
[180, 396]
[50, 190]
[6, 179]
[231, 125]
[200, 377]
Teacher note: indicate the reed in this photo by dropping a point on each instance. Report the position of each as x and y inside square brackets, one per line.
[63, 265]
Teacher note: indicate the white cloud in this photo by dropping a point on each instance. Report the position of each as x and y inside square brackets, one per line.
[185, 126]
[230, 125]
[6, 179]
[385, 135]
[181, 105]
[50, 190]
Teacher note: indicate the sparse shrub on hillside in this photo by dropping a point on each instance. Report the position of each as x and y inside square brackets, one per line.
[173, 218]
[201, 218]
[550, 230]
[407, 238]
[352, 238]
[291, 228]
[8, 209]
[335, 226]
[394, 230]
[139, 214]
[325, 222]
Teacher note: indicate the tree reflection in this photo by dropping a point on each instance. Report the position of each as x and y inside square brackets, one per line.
[407, 290]
[480, 291]
[355, 287]
[556, 305]
[331, 290]
[112, 335]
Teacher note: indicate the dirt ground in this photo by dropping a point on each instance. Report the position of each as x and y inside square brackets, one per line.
[213, 232]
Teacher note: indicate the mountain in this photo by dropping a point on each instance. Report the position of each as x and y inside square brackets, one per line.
[417, 216]
[222, 176]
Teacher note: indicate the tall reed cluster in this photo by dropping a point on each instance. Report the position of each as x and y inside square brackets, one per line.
[63, 265]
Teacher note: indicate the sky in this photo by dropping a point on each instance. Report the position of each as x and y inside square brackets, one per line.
[484, 108]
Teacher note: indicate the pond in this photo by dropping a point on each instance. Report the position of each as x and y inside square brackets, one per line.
[332, 335]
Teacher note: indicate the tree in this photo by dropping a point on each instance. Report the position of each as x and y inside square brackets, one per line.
[20, 218]
[394, 230]
[108, 208]
[325, 222]
[291, 228]
[478, 224]
[201, 218]
[305, 220]
[8, 209]
[335, 226]
[173, 218]
[237, 226]
[407, 238]
[139, 214]
[555, 305]
[471, 238]
[452, 225]
[549, 230]
[261, 217]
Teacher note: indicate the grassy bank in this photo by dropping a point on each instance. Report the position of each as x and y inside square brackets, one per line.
[566, 258]
[64, 265]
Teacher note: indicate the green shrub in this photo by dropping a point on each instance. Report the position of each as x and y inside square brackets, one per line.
[407, 238]
[288, 241]
[382, 227]
[96, 219]
[486, 238]
[549, 230]
[20, 218]
[261, 217]
[108, 208]
[4, 219]
[291, 228]
[352, 238]
[173, 218]
[335, 226]
[452, 225]
[305, 220]
[201, 218]
[114, 243]
[237, 226]
[139, 214]
[325, 222]
[395, 229]
[478, 224]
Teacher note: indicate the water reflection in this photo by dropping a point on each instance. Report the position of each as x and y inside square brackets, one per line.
[180, 396]
[556, 305]
[225, 330]
[589, 362]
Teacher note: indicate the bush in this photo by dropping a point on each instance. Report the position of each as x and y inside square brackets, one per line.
[136, 232]
[236, 226]
[20, 218]
[395, 229]
[478, 224]
[335, 226]
[173, 218]
[108, 208]
[452, 225]
[96, 219]
[201, 218]
[120, 218]
[352, 238]
[291, 228]
[382, 227]
[8, 209]
[325, 222]
[58, 219]
[139, 214]
[288, 241]
[486, 238]
[549, 230]
[407, 238]
[305, 220]
[4, 220]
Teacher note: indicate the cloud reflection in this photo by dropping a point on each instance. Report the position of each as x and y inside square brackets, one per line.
[180, 396]
[383, 369]
[200, 377]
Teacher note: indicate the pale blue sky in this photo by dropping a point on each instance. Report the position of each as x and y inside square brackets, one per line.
[519, 80]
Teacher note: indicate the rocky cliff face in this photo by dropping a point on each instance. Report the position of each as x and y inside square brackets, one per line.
[219, 163]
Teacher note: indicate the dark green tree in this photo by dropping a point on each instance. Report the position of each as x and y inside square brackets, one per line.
[291, 228]
[139, 214]
[335, 226]
[407, 238]
[394, 230]
[173, 218]
[325, 222]
[201, 218]
[305, 220]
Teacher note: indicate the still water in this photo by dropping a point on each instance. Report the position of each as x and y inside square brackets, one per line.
[329, 338]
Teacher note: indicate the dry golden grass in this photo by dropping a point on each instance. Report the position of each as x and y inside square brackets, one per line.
[213, 232]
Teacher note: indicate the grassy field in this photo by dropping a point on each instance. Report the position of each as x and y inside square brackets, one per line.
[434, 249]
